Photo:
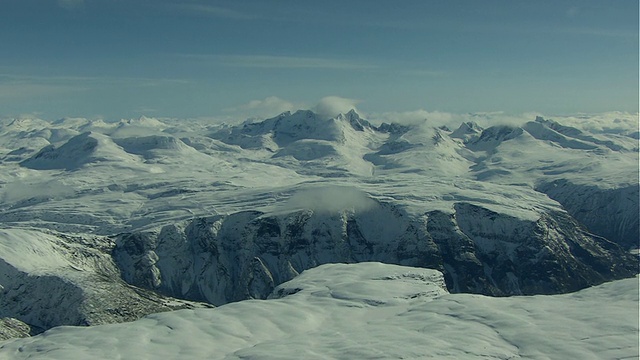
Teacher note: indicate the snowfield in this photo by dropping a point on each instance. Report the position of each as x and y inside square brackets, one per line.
[366, 311]
[320, 237]
[83, 176]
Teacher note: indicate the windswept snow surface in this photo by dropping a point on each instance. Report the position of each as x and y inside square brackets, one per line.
[495, 206]
[366, 311]
[83, 176]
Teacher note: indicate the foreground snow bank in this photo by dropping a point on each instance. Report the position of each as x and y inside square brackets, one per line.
[366, 310]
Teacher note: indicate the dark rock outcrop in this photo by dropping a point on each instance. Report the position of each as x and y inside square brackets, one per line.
[244, 255]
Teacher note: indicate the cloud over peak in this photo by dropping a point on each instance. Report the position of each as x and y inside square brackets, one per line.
[331, 106]
[262, 108]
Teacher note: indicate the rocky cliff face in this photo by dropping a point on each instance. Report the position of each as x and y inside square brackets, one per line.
[245, 255]
[49, 280]
[13, 328]
[611, 213]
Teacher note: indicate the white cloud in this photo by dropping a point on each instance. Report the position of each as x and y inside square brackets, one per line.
[280, 62]
[608, 122]
[331, 106]
[262, 109]
[330, 199]
[20, 190]
[14, 86]
[414, 117]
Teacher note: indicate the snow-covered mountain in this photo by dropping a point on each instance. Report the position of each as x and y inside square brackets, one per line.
[106, 222]
[364, 311]
[81, 150]
[51, 279]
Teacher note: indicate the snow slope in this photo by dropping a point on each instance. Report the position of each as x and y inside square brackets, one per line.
[137, 174]
[593, 176]
[48, 280]
[366, 310]
[218, 213]
[81, 150]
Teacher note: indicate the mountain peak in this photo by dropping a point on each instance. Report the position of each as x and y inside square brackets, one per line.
[466, 130]
[356, 122]
[288, 128]
[85, 148]
[352, 112]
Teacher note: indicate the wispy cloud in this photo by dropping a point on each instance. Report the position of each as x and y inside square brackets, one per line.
[145, 110]
[417, 72]
[14, 91]
[214, 11]
[612, 33]
[281, 62]
[330, 106]
[269, 106]
[573, 11]
[9, 78]
[71, 4]
[16, 86]
[300, 62]
[330, 199]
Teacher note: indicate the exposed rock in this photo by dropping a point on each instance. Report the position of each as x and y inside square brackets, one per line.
[611, 213]
[245, 255]
[13, 328]
[68, 281]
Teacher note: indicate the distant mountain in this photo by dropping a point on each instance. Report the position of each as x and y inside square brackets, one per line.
[108, 221]
[288, 128]
[466, 131]
[86, 148]
[155, 148]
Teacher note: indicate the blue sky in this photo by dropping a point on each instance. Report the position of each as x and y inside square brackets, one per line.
[125, 58]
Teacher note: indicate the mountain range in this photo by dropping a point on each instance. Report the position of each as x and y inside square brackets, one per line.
[105, 222]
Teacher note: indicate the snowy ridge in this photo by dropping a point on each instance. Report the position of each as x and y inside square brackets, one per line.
[199, 172]
[83, 149]
[51, 280]
[366, 310]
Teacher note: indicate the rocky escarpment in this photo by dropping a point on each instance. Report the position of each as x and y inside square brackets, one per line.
[49, 280]
[245, 255]
[611, 213]
[490, 253]
[13, 328]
